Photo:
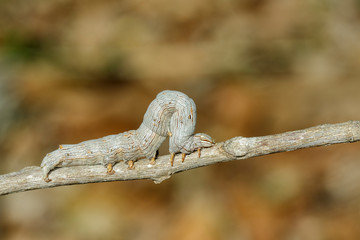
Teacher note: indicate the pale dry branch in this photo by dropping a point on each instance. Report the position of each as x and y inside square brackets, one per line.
[237, 148]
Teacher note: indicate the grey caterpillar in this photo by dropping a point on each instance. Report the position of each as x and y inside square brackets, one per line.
[171, 113]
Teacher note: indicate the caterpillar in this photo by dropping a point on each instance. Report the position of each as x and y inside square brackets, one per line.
[171, 114]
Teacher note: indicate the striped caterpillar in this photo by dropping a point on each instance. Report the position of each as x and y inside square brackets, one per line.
[171, 114]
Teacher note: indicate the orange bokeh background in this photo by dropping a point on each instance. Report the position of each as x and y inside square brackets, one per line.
[72, 70]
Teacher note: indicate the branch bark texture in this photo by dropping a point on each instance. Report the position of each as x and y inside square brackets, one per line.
[236, 148]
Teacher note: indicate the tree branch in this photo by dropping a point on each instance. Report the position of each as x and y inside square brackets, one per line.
[237, 148]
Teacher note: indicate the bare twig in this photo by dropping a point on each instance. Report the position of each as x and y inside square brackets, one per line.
[236, 148]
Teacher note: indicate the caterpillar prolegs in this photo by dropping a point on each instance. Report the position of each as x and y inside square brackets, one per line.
[171, 113]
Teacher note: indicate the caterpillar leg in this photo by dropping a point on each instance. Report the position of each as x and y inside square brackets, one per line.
[110, 169]
[152, 161]
[46, 178]
[172, 156]
[46, 170]
[183, 157]
[50, 162]
[131, 165]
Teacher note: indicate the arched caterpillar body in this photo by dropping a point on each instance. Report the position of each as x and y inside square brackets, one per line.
[171, 113]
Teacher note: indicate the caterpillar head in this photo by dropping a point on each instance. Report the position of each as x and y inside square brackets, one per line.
[201, 140]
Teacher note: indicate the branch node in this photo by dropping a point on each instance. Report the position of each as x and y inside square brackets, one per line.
[237, 146]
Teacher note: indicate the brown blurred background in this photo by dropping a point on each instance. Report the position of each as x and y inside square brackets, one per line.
[74, 70]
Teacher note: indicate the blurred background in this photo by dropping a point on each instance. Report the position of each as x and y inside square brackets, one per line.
[72, 70]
